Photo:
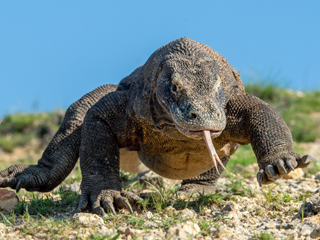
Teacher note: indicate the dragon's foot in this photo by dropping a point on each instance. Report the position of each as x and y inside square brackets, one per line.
[271, 172]
[99, 201]
[206, 187]
[30, 177]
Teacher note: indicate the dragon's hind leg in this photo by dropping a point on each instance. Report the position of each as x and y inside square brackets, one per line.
[205, 182]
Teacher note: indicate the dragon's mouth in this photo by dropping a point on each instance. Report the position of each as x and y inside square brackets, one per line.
[207, 135]
[199, 133]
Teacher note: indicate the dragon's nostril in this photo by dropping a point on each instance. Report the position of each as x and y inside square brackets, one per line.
[193, 115]
[218, 114]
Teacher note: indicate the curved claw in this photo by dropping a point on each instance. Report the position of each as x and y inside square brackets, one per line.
[8, 182]
[131, 196]
[99, 211]
[18, 186]
[127, 205]
[281, 163]
[108, 205]
[270, 170]
[259, 178]
[304, 161]
[290, 165]
[82, 205]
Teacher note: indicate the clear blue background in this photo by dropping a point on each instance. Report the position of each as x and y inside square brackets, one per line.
[53, 52]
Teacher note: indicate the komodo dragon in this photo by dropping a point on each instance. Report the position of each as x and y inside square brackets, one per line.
[165, 112]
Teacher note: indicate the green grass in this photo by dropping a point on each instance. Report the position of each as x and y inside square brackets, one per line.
[46, 205]
[294, 107]
[20, 128]
[243, 156]
[264, 236]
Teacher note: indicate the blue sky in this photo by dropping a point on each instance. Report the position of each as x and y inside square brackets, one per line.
[53, 52]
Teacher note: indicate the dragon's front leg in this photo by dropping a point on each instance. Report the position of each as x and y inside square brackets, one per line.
[251, 120]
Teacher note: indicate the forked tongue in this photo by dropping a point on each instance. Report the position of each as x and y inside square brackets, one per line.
[212, 150]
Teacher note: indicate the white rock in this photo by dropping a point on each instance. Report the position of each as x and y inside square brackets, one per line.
[231, 210]
[291, 234]
[150, 224]
[316, 232]
[176, 233]
[191, 228]
[297, 173]
[270, 226]
[88, 219]
[206, 212]
[187, 214]
[148, 193]
[148, 215]
[170, 210]
[8, 200]
[2, 227]
[224, 232]
[106, 231]
[305, 230]
[74, 187]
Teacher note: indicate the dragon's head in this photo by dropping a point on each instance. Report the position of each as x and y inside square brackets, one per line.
[191, 98]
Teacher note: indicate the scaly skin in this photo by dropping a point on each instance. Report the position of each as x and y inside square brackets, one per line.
[161, 111]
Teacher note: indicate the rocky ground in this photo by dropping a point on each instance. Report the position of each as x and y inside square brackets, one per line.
[240, 209]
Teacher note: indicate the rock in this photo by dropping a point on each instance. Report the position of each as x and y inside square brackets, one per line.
[8, 200]
[183, 231]
[129, 231]
[176, 233]
[106, 231]
[170, 210]
[224, 232]
[297, 173]
[74, 187]
[315, 200]
[231, 210]
[150, 224]
[191, 228]
[305, 230]
[315, 219]
[148, 193]
[289, 226]
[311, 206]
[206, 212]
[316, 232]
[148, 237]
[270, 226]
[148, 215]
[150, 177]
[230, 206]
[291, 234]
[2, 227]
[88, 219]
[187, 214]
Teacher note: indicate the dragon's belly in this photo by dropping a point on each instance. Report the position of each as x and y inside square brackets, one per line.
[182, 160]
[177, 166]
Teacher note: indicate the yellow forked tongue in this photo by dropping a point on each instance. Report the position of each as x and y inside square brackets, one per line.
[212, 150]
